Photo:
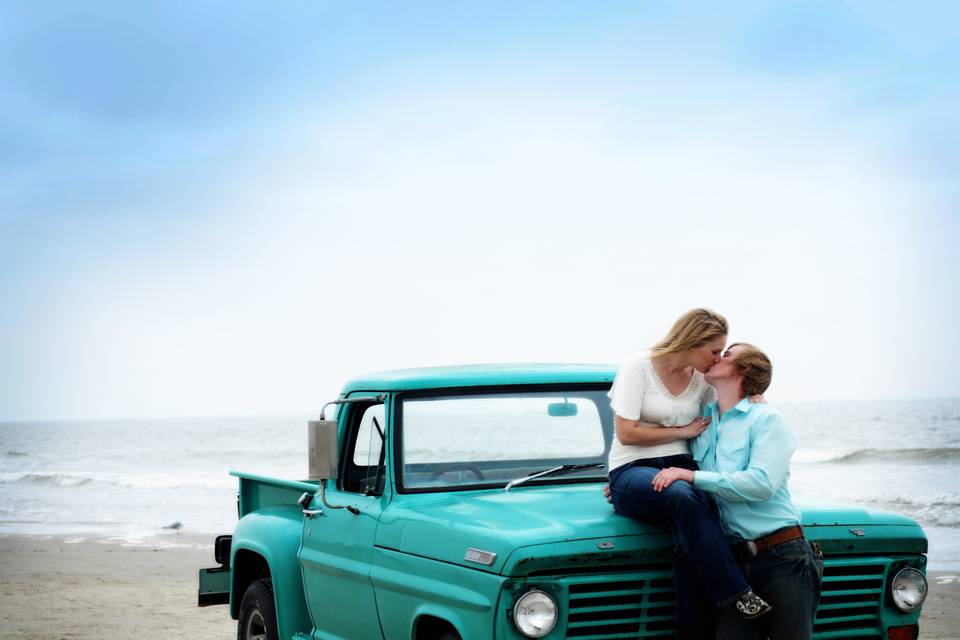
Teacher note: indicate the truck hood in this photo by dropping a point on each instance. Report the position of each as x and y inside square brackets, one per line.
[845, 528]
[819, 512]
[443, 526]
[535, 527]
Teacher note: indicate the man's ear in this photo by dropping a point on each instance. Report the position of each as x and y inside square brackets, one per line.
[738, 378]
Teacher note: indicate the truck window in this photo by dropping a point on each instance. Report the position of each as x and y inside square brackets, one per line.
[483, 439]
[364, 472]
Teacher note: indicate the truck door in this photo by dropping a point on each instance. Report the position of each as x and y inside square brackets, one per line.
[337, 544]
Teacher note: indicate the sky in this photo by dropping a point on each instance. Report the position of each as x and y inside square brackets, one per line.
[231, 208]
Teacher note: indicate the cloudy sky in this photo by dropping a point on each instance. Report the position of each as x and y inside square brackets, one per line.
[229, 208]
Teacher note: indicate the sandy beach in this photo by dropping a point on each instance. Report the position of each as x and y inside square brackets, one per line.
[96, 589]
[68, 588]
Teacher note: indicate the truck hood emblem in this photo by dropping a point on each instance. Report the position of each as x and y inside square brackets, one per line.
[858, 532]
[480, 556]
[606, 544]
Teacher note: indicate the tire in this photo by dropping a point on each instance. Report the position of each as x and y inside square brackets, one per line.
[258, 613]
[449, 635]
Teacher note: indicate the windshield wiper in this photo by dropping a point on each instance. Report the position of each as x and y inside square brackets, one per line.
[549, 472]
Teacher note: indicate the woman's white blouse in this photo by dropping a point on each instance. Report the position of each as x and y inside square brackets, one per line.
[638, 393]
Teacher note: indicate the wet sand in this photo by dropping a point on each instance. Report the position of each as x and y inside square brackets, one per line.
[58, 588]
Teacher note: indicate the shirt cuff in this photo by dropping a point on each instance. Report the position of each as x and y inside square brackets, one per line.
[706, 480]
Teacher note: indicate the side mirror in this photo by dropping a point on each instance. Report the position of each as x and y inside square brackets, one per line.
[561, 409]
[323, 449]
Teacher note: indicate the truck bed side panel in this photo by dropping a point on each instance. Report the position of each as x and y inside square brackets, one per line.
[274, 534]
[257, 492]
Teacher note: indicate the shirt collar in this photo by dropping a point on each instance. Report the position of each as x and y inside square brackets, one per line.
[743, 406]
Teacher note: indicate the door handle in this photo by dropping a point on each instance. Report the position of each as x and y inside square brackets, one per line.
[312, 512]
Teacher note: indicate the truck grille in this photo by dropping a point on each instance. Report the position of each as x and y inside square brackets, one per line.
[640, 603]
[853, 589]
[636, 604]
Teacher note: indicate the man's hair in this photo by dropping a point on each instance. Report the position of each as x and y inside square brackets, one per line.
[755, 367]
[694, 328]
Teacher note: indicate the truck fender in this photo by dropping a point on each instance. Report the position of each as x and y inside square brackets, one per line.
[269, 539]
[431, 614]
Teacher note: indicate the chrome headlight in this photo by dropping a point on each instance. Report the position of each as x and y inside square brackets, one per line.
[908, 589]
[535, 614]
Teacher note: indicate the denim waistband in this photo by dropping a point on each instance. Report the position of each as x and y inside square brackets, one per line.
[683, 460]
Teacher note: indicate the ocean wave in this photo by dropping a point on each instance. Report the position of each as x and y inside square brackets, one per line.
[940, 511]
[934, 504]
[51, 479]
[944, 418]
[944, 500]
[148, 481]
[946, 455]
[174, 483]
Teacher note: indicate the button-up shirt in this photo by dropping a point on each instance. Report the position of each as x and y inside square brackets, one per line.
[745, 460]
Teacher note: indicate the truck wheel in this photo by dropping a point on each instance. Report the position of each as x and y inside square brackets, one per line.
[258, 614]
[450, 635]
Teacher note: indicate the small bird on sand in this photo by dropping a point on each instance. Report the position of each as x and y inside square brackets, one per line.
[176, 526]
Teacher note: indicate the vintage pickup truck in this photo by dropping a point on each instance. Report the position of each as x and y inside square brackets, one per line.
[466, 502]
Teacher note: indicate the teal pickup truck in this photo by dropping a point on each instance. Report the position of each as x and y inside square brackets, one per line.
[466, 502]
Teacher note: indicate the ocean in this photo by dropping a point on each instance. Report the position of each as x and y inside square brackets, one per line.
[125, 480]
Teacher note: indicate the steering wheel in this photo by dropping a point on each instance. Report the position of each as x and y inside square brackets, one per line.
[454, 466]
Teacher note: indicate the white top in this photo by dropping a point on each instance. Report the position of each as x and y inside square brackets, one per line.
[638, 393]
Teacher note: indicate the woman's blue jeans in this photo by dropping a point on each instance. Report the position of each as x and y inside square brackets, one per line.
[702, 557]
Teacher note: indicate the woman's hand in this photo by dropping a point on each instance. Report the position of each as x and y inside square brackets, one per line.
[695, 428]
[668, 476]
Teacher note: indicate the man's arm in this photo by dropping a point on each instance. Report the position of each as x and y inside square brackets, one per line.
[769, 462]
[767, 467]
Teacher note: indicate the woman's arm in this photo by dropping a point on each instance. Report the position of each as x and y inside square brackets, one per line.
[647, 434]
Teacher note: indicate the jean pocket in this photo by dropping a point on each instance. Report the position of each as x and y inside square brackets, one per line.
[794, 550]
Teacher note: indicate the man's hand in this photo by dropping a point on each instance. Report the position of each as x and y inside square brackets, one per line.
[667, 476]
[607, 493]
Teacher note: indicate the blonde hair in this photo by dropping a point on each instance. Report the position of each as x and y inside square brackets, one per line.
[693, 329]
[755, 367]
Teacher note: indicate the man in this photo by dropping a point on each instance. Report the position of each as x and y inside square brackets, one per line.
[745, 458]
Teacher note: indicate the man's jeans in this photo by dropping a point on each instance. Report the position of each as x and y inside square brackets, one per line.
[788, 577]
[702, 557]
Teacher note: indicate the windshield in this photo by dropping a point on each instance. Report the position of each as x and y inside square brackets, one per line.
[490, 439]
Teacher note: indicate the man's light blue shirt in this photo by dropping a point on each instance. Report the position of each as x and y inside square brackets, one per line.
[745, 460]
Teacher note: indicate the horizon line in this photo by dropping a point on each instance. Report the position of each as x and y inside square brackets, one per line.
[306, 414]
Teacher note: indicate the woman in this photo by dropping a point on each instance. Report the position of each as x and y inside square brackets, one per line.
[657, 402]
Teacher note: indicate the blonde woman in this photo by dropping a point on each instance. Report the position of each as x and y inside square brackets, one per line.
[658, 400]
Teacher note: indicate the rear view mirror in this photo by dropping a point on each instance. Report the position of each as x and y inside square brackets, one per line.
[561, 409]
[322, 449]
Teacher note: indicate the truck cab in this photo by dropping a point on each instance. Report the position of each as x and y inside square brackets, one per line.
[466, 502]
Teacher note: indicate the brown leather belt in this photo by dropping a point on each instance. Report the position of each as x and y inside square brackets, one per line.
[775, 538]
[747, 549]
